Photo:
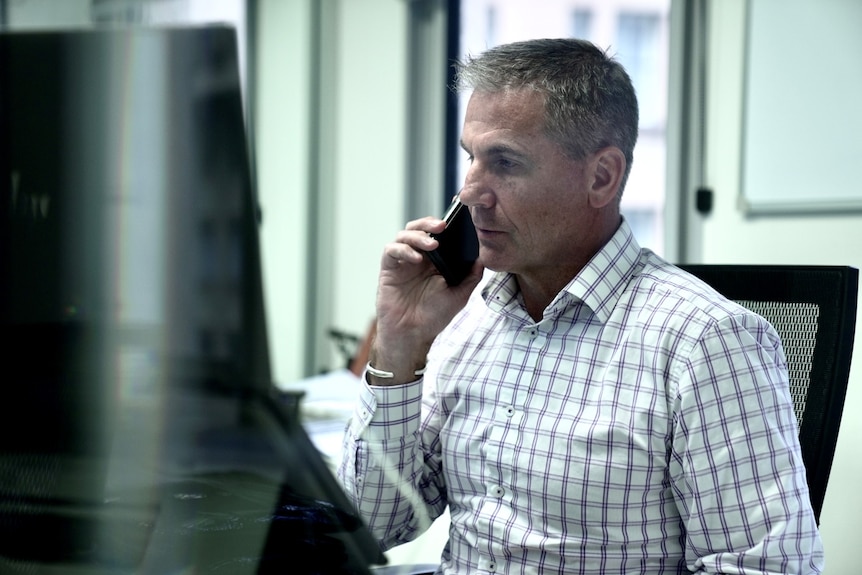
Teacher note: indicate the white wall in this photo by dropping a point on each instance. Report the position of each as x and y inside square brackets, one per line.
[47, 13]
[362, 161]
[282, 139]
[371, 154]
[730, 237]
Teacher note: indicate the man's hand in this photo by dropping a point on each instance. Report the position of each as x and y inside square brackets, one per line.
[414, 303]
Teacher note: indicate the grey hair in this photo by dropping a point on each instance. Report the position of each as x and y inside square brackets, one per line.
[590, 102]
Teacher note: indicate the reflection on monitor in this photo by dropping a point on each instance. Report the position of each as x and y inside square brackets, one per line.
[139, 428]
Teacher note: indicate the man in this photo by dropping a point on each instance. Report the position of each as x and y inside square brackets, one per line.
[585, 407]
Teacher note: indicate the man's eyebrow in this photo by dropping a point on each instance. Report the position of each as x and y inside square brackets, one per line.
[496, 149]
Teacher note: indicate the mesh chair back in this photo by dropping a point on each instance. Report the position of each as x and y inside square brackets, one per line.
[813, 309]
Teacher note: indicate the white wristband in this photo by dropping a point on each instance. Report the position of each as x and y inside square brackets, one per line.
[388, 374]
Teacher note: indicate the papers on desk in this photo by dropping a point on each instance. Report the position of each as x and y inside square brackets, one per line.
[327, 403]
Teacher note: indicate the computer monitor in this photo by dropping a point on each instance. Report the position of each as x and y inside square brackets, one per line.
[140, 430]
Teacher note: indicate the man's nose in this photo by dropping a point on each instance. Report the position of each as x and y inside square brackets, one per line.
[476, 191]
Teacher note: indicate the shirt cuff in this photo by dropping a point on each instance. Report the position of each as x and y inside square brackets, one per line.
[388, 412]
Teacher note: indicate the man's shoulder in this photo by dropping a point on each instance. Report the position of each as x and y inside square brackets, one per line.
[660, 286]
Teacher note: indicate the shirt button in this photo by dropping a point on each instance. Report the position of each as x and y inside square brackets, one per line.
[509, 410]
[496, 491]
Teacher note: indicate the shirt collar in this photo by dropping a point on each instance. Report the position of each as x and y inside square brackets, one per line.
[602, 281]
[598, 285]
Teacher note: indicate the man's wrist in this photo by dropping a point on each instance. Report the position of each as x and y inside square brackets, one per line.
[389, 369]
[396, 359]
[383, 374]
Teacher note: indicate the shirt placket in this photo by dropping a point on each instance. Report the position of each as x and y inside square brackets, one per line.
[501, 450]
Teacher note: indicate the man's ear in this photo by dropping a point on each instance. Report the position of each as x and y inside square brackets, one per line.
[607, 167]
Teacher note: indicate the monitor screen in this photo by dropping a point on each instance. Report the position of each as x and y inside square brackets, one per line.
[139, 427]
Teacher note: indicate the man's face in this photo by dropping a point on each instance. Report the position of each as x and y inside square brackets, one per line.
[529, 201]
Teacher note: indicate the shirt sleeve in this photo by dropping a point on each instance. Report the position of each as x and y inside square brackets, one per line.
[735, 463]
[391, 462]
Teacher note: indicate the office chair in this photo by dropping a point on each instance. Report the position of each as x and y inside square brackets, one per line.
[813, 308]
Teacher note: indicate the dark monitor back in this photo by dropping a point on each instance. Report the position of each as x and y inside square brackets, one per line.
[127, 199]
[135, 359]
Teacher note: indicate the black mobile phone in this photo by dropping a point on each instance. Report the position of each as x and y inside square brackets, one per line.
[459, 246]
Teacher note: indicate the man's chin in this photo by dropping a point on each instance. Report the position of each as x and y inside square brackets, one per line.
[492, 264]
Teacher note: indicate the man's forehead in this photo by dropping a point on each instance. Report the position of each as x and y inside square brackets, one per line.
[502, 117]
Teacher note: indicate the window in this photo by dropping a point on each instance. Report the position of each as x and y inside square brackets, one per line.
[51, 13]
[638, 38]
[582, 23]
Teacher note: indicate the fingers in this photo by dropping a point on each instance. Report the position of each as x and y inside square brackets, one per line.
[397, 253]
[418, 240]
[417, 233]
[412, 242]
[414, 303]
[428, 224]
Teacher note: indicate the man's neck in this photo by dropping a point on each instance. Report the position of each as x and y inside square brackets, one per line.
[539, 287]
[538, 294]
